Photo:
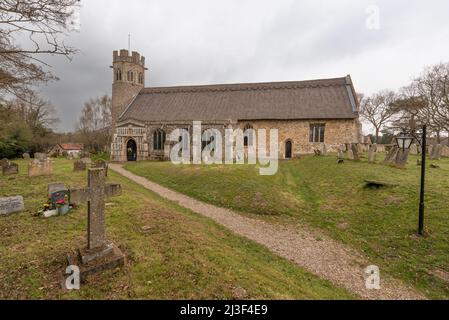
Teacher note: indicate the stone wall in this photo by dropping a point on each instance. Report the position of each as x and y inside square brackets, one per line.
[337, 133]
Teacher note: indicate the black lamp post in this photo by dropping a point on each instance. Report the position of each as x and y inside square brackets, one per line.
[404, 142]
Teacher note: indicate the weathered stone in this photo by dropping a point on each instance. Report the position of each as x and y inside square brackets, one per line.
[355, 152]
[436, 152]
[12, 168]
[4, 162]
[372, 153]
[26, 156]
[40, 156]
[101, 164]
[86, 160]
[414, 149]
[391, 155]
[79, 165]
[445, 152]
[11, 204]
[350, 154]
[99, 254]
[402, 157]
[55, 187]
[40, 168]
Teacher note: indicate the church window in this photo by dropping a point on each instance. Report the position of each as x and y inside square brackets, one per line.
[248, 133]
[316, 133]
[158, 139]
[130, 76]
[118, 74]
[140, 78]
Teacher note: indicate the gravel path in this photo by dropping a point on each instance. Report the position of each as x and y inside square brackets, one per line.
[310, 249]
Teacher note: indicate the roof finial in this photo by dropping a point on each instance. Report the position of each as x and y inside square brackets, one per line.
[129, 42]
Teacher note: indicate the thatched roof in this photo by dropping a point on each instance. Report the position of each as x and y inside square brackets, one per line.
[315, 99]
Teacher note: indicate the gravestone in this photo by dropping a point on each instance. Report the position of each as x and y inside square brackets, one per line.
[324, 150]
[436, 152]
[40, 168]
[101, 164]
[55, 187]
[402, 157]
[355, 152]
[350, 154]
[26, 156]
[341, 154]
[86, 160]
[391, 155]
[79, 165]
[372, 153]
[4, 162]
[99, 254]
[445, 152]
[11, 204]
[414, 149]
[40, 156]
[12, 168]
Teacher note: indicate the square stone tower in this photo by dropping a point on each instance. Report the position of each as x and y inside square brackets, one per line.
[128, 80]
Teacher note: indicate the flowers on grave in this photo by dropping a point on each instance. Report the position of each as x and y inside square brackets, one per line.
[63, 205]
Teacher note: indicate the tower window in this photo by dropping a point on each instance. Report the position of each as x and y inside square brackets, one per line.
[130, 76]
[118, 74]
[140, 78]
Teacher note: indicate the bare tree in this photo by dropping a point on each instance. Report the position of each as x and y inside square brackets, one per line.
[43, 23]
[378, 110]
[95, 123]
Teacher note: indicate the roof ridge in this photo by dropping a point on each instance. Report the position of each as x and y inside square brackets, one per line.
[248, 86]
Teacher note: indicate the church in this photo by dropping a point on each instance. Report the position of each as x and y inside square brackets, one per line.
[308, 114]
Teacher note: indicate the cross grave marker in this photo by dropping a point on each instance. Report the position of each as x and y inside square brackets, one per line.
[99, 253]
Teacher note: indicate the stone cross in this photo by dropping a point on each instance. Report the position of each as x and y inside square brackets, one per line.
[95, 195]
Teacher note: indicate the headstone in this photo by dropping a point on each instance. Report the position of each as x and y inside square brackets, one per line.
[355, 152]
[55, 187]
[40, 156]
[324, 150]
[79, 165]
[11, 204]
[99, 254]
[86, 160]
[4, 162]
[445, 152]
[101, 164]
[26, 156]
[359, 148]
[350, 154]
[414, 149]
[40, 168]
[436, 152]
[402, 157]
[341, 154]
[391, 155]
[372, 153]
[12, 168]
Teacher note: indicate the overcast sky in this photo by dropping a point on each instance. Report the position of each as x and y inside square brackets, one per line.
[206, 42]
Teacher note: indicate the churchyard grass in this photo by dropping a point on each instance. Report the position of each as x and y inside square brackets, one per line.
[317, 192]
[172, 252]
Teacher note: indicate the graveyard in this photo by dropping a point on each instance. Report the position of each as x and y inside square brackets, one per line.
[336, 198]
[170, 252]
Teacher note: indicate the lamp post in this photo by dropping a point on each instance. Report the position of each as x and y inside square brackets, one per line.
[423, 178]
[404, 142]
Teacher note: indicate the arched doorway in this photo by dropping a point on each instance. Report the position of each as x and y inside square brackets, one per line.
[288, 149]
[131, 150]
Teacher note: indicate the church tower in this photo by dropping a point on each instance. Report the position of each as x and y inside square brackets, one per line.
[128, 80]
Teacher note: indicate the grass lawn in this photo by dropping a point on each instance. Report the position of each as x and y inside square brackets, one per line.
[172, 253]
[318, 192]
